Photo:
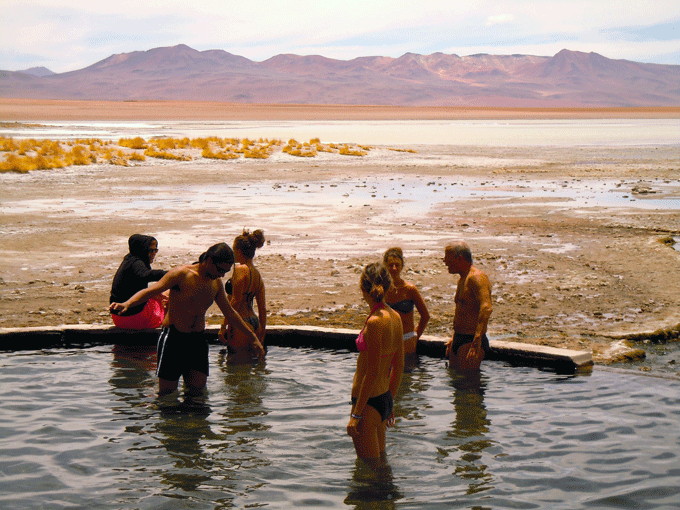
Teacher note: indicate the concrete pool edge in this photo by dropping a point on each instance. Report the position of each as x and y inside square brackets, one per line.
[32, 338]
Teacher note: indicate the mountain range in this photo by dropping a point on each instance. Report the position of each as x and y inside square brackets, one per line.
[567, 79]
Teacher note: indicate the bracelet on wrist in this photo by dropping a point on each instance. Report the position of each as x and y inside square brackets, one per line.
[356, 416]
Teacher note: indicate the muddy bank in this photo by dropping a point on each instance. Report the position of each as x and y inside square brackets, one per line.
[572, 239]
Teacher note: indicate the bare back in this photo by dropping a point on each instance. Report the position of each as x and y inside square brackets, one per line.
[473, 291]
[385, 332]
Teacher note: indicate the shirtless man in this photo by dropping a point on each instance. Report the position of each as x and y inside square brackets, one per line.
[472, 309]
[182, 349]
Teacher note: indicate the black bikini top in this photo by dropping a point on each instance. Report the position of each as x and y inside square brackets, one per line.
[250, 296]
[403, 306]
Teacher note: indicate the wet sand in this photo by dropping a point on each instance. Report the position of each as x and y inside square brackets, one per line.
[566, 273]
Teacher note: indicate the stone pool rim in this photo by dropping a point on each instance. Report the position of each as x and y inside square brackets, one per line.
[90, 335]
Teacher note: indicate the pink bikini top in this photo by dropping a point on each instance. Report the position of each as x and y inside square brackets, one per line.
[360, 341]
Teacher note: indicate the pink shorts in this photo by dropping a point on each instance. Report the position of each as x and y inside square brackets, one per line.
[151, 317]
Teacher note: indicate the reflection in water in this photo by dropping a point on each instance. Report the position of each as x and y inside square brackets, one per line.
[133, 368]
[469, 430]
[245, 384]
[372, 487]
[133, 380]
[410, 401]
[603, 440]
[184, 431]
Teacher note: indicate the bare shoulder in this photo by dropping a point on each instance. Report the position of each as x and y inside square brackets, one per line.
[479, 276]
[180, 272]
[377, 321]
[412, 289]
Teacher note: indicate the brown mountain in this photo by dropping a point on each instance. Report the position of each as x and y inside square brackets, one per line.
[568, 79]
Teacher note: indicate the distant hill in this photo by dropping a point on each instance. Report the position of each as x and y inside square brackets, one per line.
[568, 79]
[38, 71]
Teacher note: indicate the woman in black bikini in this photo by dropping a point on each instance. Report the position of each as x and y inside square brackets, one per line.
[380, 365]
[243, 288]
[404, 297]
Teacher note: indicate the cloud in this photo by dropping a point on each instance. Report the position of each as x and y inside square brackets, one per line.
[65, 35]
[499, 19]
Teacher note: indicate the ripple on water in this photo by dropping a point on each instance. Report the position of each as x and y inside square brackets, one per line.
[83, 428]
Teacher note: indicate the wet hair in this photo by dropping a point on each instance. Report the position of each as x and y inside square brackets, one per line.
[247, 243]
[376, 281]
[460, 249]
[218, 253]
[394, 252]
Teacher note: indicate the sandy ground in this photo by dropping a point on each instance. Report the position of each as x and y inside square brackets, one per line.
[565, 273]
[33, 109]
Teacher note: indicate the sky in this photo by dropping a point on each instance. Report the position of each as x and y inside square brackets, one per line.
[67, 35]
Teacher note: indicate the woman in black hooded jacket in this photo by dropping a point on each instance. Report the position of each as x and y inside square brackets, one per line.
[133, 275]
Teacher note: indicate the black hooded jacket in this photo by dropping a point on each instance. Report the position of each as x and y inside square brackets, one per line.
[134, 273]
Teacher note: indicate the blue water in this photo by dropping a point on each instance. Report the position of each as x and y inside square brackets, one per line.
[82, 428]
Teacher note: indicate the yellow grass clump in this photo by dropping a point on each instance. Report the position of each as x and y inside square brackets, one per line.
[133, 143]
[208, 154]
[8, 144]
[30, 154]
[346, 151]
[153, 153]
[23, 164]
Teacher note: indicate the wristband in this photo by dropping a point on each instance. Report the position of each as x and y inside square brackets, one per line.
[356, 416]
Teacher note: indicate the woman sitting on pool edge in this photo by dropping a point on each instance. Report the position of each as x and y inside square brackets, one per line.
[404, 297]
[244, 287]
[133, 275]
[380, 365]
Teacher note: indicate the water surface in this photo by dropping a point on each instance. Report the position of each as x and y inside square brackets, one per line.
[500, 133]
[81, 428]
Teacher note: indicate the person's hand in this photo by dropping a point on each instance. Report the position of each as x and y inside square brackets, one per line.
[117, 308]
[259, 349]
[470, 356]
[448, 348]
[390, 420]
[353, 427]
[222, 335]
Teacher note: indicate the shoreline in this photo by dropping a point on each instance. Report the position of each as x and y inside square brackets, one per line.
[562, 232]
[17, 110]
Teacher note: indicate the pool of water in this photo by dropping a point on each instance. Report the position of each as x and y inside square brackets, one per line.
[82, 428]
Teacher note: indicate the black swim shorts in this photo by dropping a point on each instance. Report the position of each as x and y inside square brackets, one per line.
[460, 339]
[178, 353]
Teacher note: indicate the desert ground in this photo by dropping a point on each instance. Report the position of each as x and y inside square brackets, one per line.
[565, 273]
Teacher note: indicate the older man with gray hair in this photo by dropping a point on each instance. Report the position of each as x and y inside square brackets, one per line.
[473, 307]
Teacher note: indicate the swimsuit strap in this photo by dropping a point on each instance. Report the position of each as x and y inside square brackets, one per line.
[251, 295]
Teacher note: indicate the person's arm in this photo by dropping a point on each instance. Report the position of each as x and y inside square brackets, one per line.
[372, 335]
[422, 312]
[235, 282]
[482, 288]
[261, 311]
[235, 319]
[169, 280]
[142, 272]
[397, 365]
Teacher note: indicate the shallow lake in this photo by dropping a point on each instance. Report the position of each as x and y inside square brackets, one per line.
[82, 428]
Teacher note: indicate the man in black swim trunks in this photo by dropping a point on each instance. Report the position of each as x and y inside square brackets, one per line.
[182, 348]
[472, 309]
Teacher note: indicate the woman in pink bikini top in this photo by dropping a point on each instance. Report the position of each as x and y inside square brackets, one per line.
[380, 365]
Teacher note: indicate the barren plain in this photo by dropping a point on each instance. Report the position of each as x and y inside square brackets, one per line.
[578, 241]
